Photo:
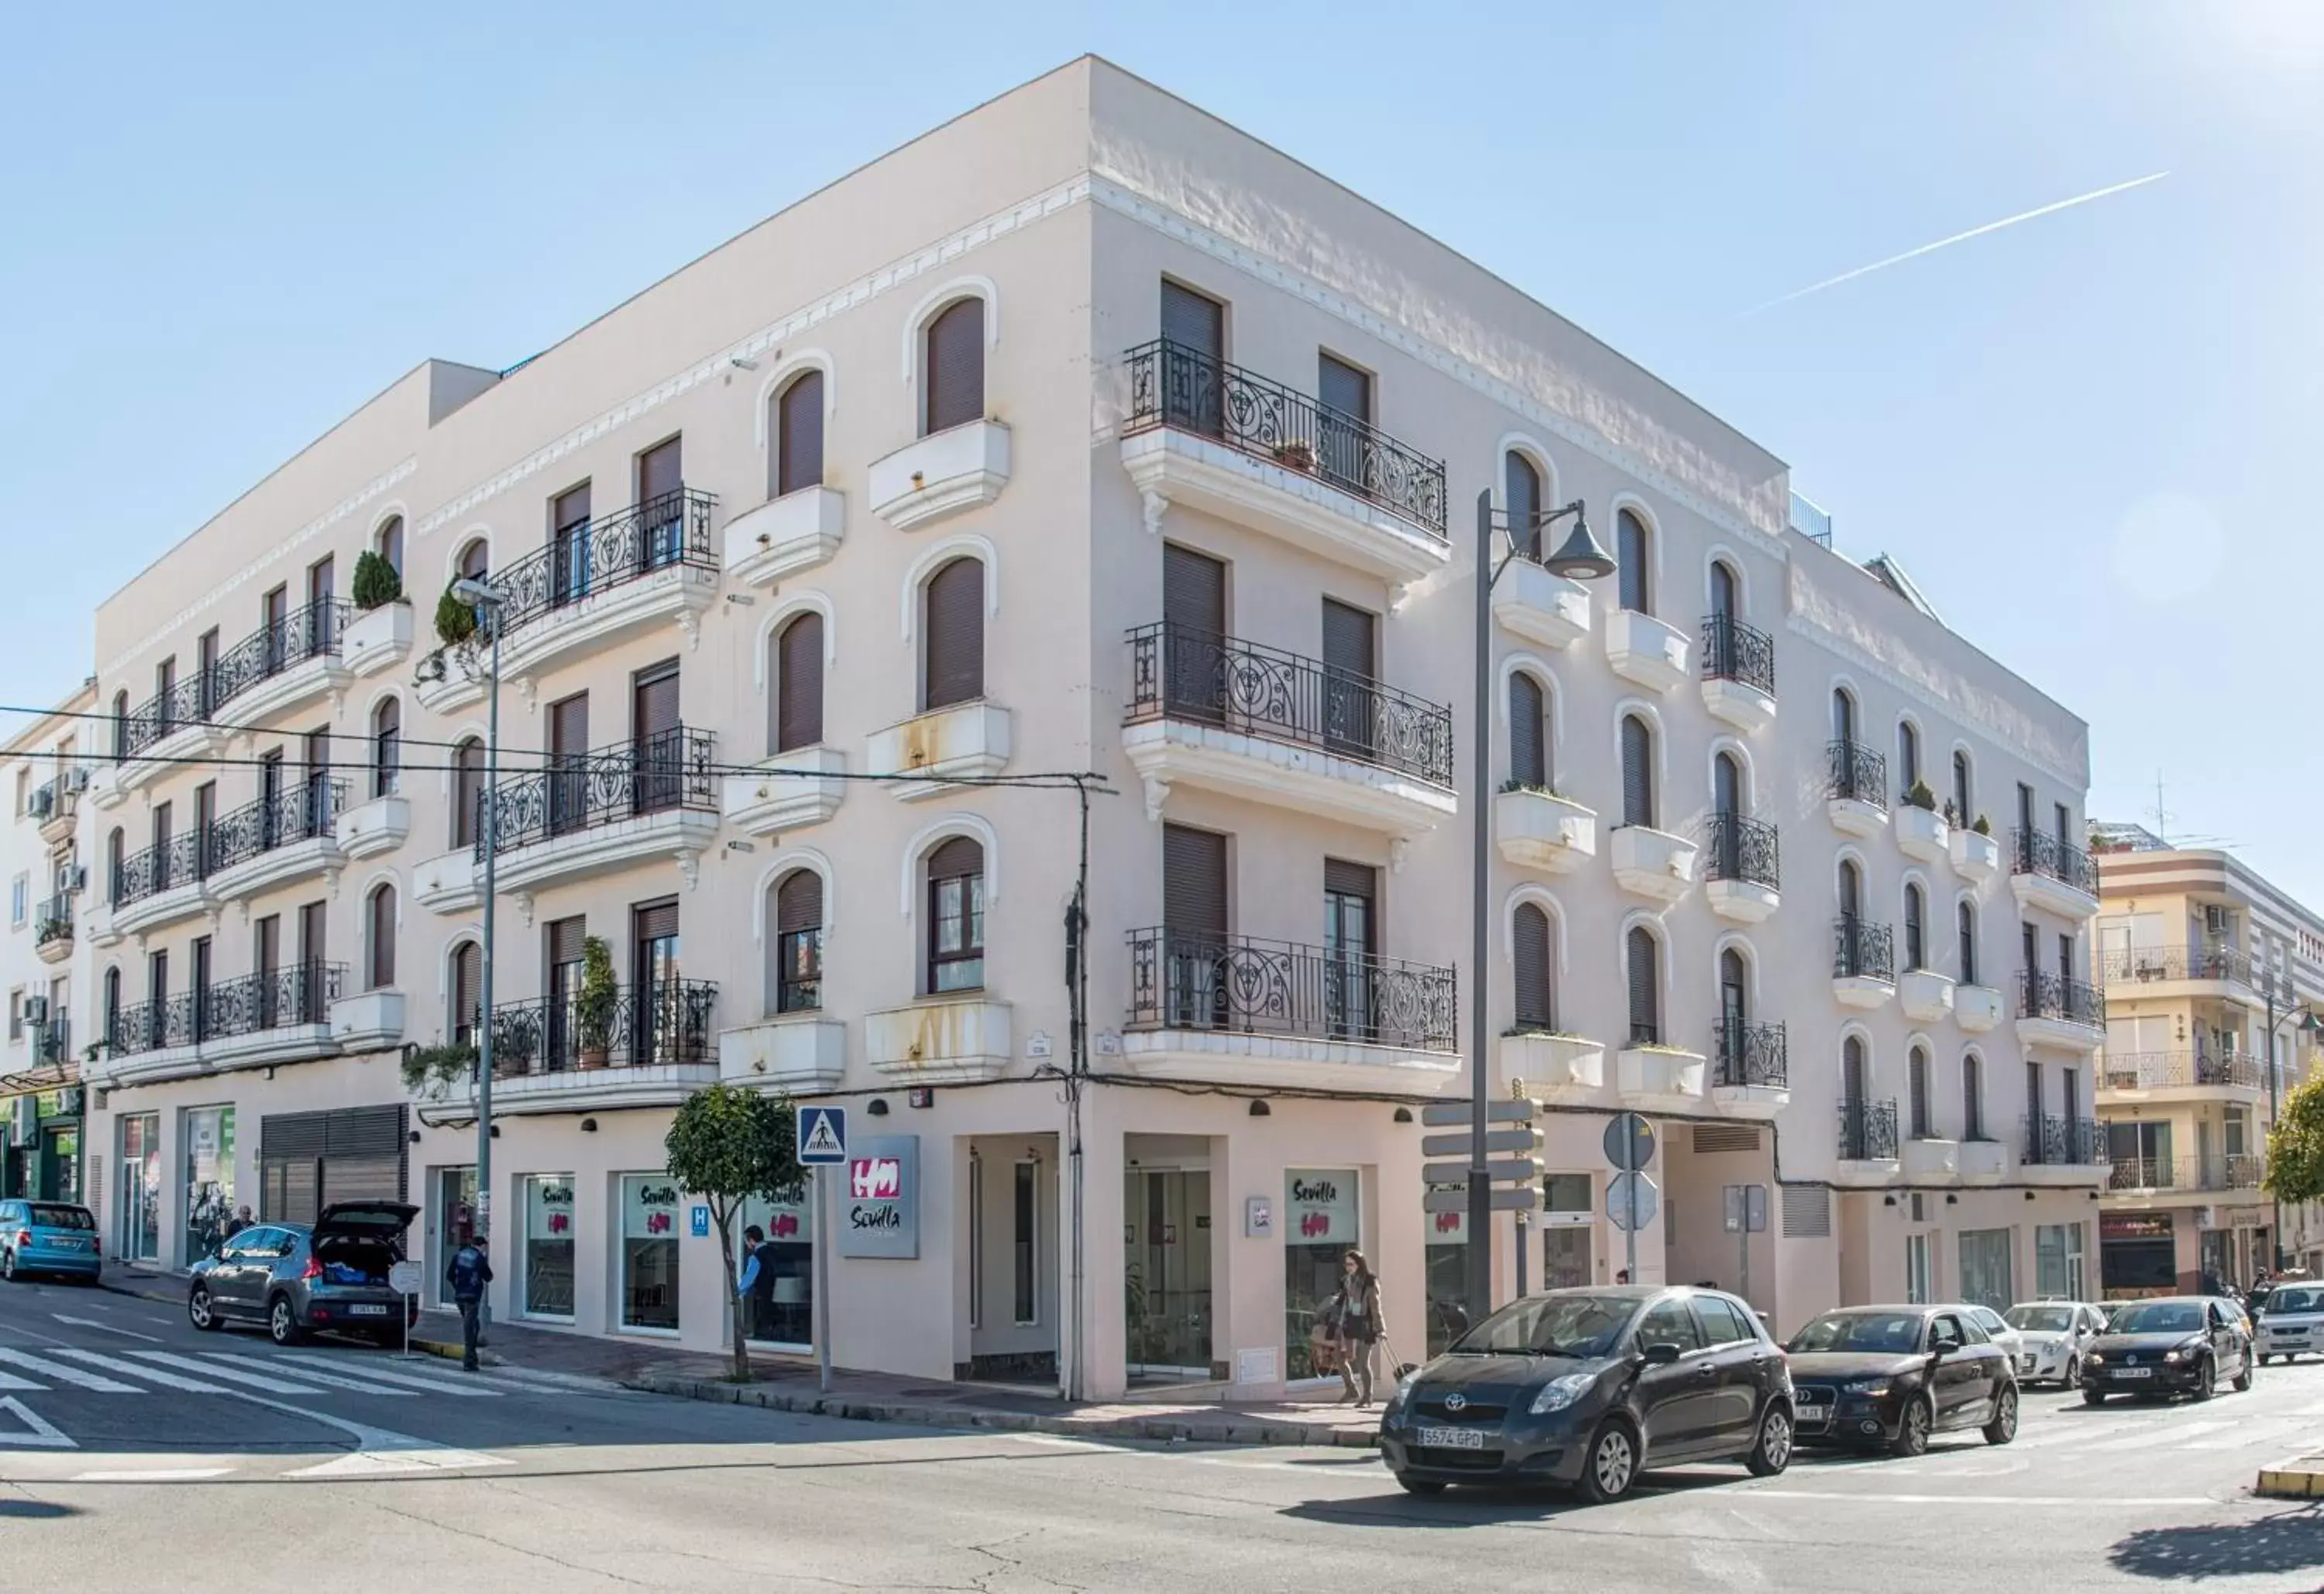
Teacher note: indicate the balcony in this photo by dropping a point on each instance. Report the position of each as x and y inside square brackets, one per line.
[786, 535]
[2183, 971]
[286, 664]
[958, 1038]
[1863, 962]
[1653, 863]
[792, 791]
[1741, 869]
[943, 474]
[1868, 1149]
[1257, 723]
[1977, 855]
[259, 1020]
[1750, 1069]
[651, 564]
[1652, 1077]
[1739, 673]
[52, 929]
[1567, 1070]
[796, 1053]
[653, 1046]
[160, 886]
[1977, 1007]
[379, 639]
[2056, 1011]
[1243, 1011]
[1531, 603]
[1856, 788]
[1982, 1161]
[277, 840]
[2054, 1150]
[651, 801]
[1230, 443]
[1645, 650]
[2164, 1175]
[944, 747]
[2130, 1078]
[2049, 874]
[57, 806]
[369, 1021]
[1923, 834]
[1925, 995]
[155, 738]
[51, 1041]
[1923, 1160]
[1536, 828]
[367, 829]
[449, 882]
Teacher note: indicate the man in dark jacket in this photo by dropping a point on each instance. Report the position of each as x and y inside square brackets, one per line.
[757, 1285]
[467, 1273]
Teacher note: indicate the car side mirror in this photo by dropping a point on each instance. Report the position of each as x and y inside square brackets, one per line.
[1661, 1353]
[1944, 1345]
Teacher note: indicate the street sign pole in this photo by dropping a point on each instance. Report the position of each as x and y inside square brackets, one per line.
[823, 1280]
[1630, 1229]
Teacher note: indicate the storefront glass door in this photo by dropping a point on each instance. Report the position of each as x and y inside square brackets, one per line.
[1166, 1273]
[140, 1239]
[451, 1220]
[208, 1139]
[1321, 1221]
[547, 1247]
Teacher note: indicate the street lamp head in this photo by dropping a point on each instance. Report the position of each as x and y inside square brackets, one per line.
[1581, 559]
[474, 593]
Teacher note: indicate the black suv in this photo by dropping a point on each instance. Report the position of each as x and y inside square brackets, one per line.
[1588, 1387]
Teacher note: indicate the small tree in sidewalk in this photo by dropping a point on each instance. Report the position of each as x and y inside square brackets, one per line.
[729, 1145]
[2295, 1146]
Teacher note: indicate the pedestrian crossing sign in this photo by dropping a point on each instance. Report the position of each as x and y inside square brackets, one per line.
[821, 1136]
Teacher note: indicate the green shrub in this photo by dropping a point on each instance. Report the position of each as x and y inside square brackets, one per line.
[456, 622]
[376, 581]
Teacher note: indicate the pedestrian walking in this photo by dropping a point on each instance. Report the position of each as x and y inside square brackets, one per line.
[467, 1273]
[1356, 1311]
[239, 1221]
[757, 1285]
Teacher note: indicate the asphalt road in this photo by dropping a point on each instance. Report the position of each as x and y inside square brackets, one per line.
[137, 1454]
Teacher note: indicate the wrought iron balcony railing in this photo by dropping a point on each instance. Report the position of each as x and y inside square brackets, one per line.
[313, 630]
[54, 921]
[151, 1026]
[179, 860]
[2156, 1071]
[667, 1022]
[2186, 1173]
[1181, 673]
[2148, 964]
[52, 1040]
[1867, 1130]
[2043, 995]
[2052, 1141]
[300, 812]
[187, 702]
[1743, 850]
[1736, 650]
[665, 531]
[1857, 773]
[1746, 1054]
[667, 770]
[273, 998]
[1186, 980]
[2037, 851]
[1862, 950]
[1184, 388]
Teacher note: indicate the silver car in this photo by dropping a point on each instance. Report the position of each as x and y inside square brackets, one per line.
[2292, 1323]
[2052, 1337]
[330, 1276]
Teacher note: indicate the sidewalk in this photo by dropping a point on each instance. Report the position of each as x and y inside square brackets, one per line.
[787, 1383]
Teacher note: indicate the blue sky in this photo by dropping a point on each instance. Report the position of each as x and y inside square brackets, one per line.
[228, 226]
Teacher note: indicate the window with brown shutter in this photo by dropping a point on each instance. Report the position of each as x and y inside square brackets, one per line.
[1645, 988]
[1521, 486]
[1194, 883]
[1531, 950]
[1638, 772]
[387, 747]
[1350, 659]
[656, 741]
[798, 683]
[1630, 554]
[467, 790]
[955, 367]
[1194, 617]
[799, 942]
[381, 973]
[799, 434]
[1194, 374]
[390, 542]
[955, 950]
[476, 560]
[467, 992]
[1528, 741]
[953, 659]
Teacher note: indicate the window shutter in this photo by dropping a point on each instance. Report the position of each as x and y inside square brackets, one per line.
[1349, 659]
[1343, 879]
[1193, 882]
[382, 937]
[1343, 387]
[799, 435]
[1638, 772]
[656, 921]
[1521, 486]
[955, 366]
[1726, 785]
[655, 707]
[799, 678]
[955, 857]
[467, 788]
[1851, 1071]
[1193, 590]
[1194, 321]
[798, 902]
[568, 726]
[659, 472]
[1919, 1089]
[1722, 592]
[1348, 645]
[1535, 973]
[1529, 761]
[954, 657]
[565, 938]
[1646, 989]
[1630, 556]
[1968, 919]
[467, 983]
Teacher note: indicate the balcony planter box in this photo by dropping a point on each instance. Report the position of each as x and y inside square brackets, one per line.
[1531, 603]
[785, 536]
[378, 826]
[1740, 704]
[795, 1053]
[1644, 649]
[1982, 1162]
[1855, 816]
[1975, 857]
[449, 882]
[1541, 830]
[1977, 1007]
[368, 1022]
[943, 474]
[1652, 864]
[1923, 834]
[1925, 995]
[1861, 990]
[1568, 1069]
[940, 1040]
[1746, 902]
[1660, 1079]
[801, 787]
[1934, 1160]
[378, 639]
[966, 740]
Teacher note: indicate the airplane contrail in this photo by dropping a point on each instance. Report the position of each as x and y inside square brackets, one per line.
[1991, 226]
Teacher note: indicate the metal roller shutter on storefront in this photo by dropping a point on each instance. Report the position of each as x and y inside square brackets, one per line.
[308, 1160]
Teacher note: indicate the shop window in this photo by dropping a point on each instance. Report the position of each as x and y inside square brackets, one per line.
[650, 1218]
[547, 1279]
[779, 1306]
[1320, 1225]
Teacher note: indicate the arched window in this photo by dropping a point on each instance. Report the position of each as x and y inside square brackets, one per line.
[1533, 949]
[113, 1009]
[1734, 1014]
[1726, 785]
[386, 747]
[1843, 716]
[379, 969]
[476, 561]
[1645, 988]
[1966, 918]
[1631, 548]
[1853, 1078]
[115, 853]
[1726, 601]
[467, 792]
[952, 656]
[1521, 485]
[795, 426]
[797, 668]
[467, 992]
[955, 950]
[1908, 755]
[796, 914]
[1638, 772]
[120, 726]
[388, 543]
[1962, 812]
[954, 374]
[1916, 1067]
[1851, 889]
[1916, 922]
[1529, 738]
[1972, 1097]
[1725, 818]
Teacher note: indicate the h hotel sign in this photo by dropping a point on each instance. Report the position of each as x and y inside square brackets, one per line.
[880, 1206]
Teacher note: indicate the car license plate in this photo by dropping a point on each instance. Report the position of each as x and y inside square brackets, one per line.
[367, 1311]
[2133, 1372]
[1453, 1438]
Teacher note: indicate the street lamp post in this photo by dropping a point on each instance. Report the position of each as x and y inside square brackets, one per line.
[1581, 559]
[486, 602]
[2308, 1025]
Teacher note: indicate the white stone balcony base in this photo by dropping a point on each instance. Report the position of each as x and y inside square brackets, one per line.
[1653, 863]
[1563, 1069]
[785, 536]
[1644, 649]
[367, 1022]
[1925, 995]
[1538, 830]
[1221, 1057]
[798, 789]
[1531, 603]
[797, 1053]
[1929, 1161]
[1923, 834]
[1746, 902]
[1977, 1007]
[449, 882]
[379, 825]
[967, 740]
[1855, 816]
[377, 639]
[1305, 780]
[1740, 704]
[1659, 1078]
[940, 1040]
[941, 475]
[1975, 857]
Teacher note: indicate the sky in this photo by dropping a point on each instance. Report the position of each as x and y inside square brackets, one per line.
[228, 226]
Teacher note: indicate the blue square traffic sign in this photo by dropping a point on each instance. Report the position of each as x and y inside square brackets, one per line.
[821, 1136]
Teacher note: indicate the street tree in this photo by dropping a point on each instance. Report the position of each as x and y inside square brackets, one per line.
[2295, 1147]
[729, 1145]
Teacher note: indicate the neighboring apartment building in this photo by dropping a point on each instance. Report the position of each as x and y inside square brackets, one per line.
[1084, 433]
[2201, 958]
[45, 774]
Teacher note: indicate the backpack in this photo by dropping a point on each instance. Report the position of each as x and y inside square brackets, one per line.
[467, 1273]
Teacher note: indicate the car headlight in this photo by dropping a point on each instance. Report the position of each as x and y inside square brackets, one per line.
[2173, 1357]
[1401, 1393]
[2094, 1359]
[1870, 1388]
[1560, 1393]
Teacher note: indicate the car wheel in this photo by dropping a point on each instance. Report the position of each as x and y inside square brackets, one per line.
[2094, 1396]
[2073, 1374]
[282, 1322]
[1913, 1432]
[2004, 1427]
[8, 1265]
[202, 1312]
[1611, 1466]
[2244, 1378]
[1772, 1452]
[1418, 1486]
[2206, 1375]
[2263, 1360]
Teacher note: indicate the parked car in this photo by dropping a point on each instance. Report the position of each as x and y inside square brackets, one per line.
[298, 1279]
[1998, 1329]
[2051, 1337]
[2177, 1345]
[1588, 1389]
[53, 1236]
[1896, 1375]
[2291, 1323]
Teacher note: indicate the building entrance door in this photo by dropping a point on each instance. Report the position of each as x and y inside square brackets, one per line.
[1167, 1273]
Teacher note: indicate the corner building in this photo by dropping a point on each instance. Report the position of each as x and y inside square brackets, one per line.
[1083, 433]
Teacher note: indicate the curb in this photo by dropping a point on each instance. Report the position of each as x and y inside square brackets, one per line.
[1173, 1429]
[137, 1292]
[2302, 1478]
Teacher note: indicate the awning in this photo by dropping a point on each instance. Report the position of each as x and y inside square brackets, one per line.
[49, 1076]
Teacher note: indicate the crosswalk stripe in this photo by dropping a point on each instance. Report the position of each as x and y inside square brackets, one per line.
[11, 1381]
[331, 1379]
[433, 1385]
[65, 1374]
[273, 1385]
[112, 1364]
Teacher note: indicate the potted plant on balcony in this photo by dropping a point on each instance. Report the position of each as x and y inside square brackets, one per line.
[593, 1006]
[376, 584]
[436, 1068]
[1920, 797]
[1983, 826]
[456, 622]
[1297, 456]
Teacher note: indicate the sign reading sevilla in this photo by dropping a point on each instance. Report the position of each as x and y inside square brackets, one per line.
[880, 1205]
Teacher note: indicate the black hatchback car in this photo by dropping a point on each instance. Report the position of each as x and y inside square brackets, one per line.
[1894, 1375]
[1589, 1387]
[297, 1278]
[2180, 1345]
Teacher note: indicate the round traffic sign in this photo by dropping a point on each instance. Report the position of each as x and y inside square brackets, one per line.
[1631, 1200]
[1629, 1141]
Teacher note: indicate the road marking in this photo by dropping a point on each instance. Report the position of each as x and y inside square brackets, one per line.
[107, 1328]
[309, 1375]
[63, 1374]
[2078, 1501]
[167, 1380]
[376, 1463]
[433, 1385]
[151, 1475]
[273, 1385]
[11, 1381]
[39, 1433]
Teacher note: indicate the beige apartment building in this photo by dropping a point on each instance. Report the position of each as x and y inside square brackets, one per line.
[2211, 977]
[1084, 434]
[44, 770]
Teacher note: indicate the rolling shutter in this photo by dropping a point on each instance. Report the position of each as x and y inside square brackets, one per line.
[1349, 658]
[1343, 879]
[1195, 882]
[1529, 757]
[1343, 387]
[1521, 487]
[955, 367]
[1807, 1212]
[1195, 610]
[954, 657]
[565, 938]
[1630, 556]
[1194, 321]
[468, 987]
[656, 921]
[1638, 772]
[568, 726]
[798, 902]
[1646, 1017]
[957, 858]
[1536, 974]
[655, 706]
[659, 472]
[799, 435]
[1193, 371]
[799, 678]
[1193, 590]
[383, 938]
